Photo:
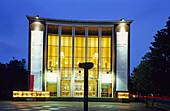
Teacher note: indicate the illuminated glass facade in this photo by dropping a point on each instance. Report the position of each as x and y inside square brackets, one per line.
[66, 43]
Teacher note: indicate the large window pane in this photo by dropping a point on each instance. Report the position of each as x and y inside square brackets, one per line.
[106, 88]
[106, 49]
[79, 51]
[52, 59]
[66, 52]
[65, 88]
[93, 50]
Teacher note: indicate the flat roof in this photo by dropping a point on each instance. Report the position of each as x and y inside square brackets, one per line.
[78, 22]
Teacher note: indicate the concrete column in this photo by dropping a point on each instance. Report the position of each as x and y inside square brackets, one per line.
[72, 77]
[99, 62]
[86, 44]
[59, 63]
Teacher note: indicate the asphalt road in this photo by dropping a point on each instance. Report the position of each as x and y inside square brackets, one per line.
[72, 106]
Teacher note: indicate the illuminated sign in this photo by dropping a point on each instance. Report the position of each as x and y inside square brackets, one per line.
[123, 95]
[30, 94]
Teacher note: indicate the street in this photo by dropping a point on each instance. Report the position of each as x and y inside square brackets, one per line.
[72, 106]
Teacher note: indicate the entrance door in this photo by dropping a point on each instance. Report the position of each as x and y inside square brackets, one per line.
[79, 88]
[92, 90]
[52, 88]
[106, 90]
[65, 88]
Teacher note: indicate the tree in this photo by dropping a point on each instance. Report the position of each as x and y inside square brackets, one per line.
[159, 58]
[13, 76]
[17, 74]
[153, 73]
[142, 78]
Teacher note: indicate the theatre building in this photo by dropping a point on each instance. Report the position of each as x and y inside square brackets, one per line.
[57, 46]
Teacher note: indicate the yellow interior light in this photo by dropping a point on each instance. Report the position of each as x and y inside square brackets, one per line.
[28, 94]
[123, 95]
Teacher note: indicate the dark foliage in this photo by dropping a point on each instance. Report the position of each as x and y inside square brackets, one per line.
[152, 75]
[13, 77]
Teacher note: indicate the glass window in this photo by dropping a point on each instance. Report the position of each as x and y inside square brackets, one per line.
[93, 50]
[79, 88]
[92, 88]
[79, 51]
[106, 50]
[52, 57]
[106, 90]
[52, 88]
[66, 52]
[65, 88]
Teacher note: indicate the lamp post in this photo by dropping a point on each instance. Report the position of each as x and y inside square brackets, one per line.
[86, 66]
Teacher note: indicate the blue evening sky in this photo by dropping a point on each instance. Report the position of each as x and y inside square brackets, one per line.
[148, 15]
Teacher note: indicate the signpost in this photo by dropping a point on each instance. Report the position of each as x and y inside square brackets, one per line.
[86, 66]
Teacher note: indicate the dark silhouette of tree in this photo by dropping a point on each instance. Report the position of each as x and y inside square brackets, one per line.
[14, 77]
[152, 75]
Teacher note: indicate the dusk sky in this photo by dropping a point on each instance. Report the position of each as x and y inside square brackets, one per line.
[149, 16]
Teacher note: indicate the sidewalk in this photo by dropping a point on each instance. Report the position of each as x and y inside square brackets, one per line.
[73, 106]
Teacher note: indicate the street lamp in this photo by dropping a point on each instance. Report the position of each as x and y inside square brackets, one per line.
[86, 66]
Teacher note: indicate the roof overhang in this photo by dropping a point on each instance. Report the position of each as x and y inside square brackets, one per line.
[77, 22]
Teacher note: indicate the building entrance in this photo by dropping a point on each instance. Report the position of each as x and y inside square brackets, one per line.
[106, 90]
[52, 88]
[79, 89]
[92, 90]
[65, 88]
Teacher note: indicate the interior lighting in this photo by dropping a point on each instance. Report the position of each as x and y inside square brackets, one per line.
[28, 94]
[90, 75]
[62, 54]
[95, 56]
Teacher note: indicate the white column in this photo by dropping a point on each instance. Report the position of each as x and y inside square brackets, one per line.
[113, 61]
[46, 48]
[59, 63]
[72, 77]
[121, 59]
[99, 62]
[37, 58]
